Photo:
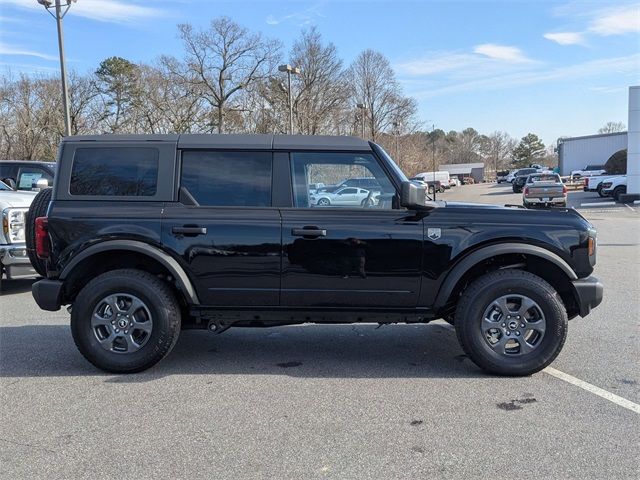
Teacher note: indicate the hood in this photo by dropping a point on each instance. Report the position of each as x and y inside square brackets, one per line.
[16, 199]
[470, 205]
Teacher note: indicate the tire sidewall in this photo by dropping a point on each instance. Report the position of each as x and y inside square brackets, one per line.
[551, 343]
[87, 342]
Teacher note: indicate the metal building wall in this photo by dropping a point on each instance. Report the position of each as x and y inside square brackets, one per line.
[577, 152]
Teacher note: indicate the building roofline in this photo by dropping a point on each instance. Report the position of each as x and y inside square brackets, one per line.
[569, 139]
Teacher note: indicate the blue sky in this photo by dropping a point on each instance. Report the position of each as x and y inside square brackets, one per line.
[552, 68]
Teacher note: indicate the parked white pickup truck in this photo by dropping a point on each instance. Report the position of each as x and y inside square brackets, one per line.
[594, 183]
[615, 187]
[589, 171]
[14, 261]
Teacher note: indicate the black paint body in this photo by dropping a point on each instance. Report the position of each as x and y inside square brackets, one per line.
[249, 258]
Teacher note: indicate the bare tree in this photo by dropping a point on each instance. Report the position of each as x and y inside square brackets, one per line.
[373, 83]
[319, 88]
[613, 127]
[223, 60]
[498, 147]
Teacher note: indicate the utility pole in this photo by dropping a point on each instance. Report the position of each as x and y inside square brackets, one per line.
[433, 158]
[290, 70]
[363, 108]
[396, 131]
[58, 6]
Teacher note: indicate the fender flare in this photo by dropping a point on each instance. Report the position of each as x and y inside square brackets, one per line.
[182, 280]
[462, 266]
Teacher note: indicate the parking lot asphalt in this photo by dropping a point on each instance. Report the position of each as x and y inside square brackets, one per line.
[343, 401]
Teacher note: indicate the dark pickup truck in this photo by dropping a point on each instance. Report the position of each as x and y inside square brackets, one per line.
[143, 236]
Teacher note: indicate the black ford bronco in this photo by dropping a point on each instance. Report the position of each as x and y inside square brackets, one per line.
[143, 236]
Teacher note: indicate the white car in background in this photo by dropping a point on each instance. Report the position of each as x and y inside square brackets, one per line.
[343, 197]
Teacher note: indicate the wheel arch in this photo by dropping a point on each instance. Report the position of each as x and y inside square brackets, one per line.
[114, 254]
[535, 259]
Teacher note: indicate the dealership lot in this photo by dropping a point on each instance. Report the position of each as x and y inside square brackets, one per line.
[347, 401]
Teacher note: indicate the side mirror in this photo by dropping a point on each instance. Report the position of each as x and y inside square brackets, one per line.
[42, 183]
[412, 195]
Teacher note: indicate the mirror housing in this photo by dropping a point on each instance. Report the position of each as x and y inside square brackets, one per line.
[42, 183]
[412, 196]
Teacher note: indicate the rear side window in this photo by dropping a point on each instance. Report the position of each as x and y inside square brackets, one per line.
[115, 171]
[228, 179]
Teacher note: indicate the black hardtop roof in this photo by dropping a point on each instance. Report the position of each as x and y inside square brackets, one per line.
[238, 141]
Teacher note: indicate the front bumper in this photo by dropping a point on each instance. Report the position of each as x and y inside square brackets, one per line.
[15, 261]
[589, 292]
[47, 294]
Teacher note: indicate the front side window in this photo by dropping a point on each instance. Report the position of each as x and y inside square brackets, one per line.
[115, 171]
[340, 173]
[228, 179]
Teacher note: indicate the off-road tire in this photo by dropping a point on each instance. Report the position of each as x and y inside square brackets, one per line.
[599, 190]
[481, 293]
[37, 209]
[158, 297]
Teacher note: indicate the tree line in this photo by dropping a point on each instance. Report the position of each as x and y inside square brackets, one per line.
[227, 81]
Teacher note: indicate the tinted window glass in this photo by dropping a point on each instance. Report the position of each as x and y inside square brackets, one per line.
[115, 171]
[28, 177]
[228, 179]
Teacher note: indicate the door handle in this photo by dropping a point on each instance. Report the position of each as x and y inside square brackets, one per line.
[308, 232]
[189, 230]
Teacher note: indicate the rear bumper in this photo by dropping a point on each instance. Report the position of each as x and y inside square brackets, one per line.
[47, 294]
[589, 292]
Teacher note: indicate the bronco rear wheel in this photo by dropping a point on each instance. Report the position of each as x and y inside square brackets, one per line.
[125, 321]
[511, 322]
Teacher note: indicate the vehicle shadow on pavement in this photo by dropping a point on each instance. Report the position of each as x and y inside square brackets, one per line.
[309, 351]
[12, 287]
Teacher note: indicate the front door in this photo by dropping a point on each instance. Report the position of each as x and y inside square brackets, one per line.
[353, 255]
[225, 229]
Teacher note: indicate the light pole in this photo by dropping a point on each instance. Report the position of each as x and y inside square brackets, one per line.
[433, 158]
[290, 70]
[396, 131]
[57, 6]
[362, 107]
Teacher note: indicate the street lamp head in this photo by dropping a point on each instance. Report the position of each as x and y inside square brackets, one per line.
[45, 3]
[288, 68]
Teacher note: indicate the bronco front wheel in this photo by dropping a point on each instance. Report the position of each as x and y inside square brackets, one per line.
[511, 322]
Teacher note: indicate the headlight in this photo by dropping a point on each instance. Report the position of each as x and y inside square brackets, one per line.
[13, 223]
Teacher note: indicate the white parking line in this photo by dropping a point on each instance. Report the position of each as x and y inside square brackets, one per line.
[612, 397]
[630, 207]
[597, 204]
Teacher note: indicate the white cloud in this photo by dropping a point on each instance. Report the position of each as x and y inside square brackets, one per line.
[111, 11]
[301, 18]
[503, 53]
[566, 38]
[20, 51]
[622, 66]
[616, 21]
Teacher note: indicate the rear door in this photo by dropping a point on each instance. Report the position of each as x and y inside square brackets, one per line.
[352, 255]
[224, 227]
